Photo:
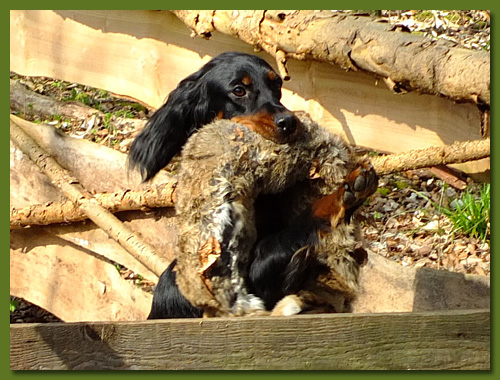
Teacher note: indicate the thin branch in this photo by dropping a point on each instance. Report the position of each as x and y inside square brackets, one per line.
[455, 153]
[69, 212]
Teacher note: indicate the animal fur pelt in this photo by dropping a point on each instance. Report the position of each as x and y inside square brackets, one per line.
[234, 185]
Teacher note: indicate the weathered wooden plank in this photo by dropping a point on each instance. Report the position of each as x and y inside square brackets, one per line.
[426, 340]
[144, 54]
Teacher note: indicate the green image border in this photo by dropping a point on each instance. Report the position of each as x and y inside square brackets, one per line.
[288, 375]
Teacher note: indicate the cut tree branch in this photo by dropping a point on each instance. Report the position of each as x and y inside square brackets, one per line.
[408, 62]
[455, 153]
[69, 212]
[71, 188]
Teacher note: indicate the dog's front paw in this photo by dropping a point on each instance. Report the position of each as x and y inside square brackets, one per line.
[340, 205]
[358, 186]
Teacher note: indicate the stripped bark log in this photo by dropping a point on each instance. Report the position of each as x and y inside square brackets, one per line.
[29, 102]
[408, 62]
[69, 212]
[422, 158]
[84, 159]
[71, 188]
[164, 195]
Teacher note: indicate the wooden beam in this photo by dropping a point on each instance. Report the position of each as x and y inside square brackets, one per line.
[394, 341]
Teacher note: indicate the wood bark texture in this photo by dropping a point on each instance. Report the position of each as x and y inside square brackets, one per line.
[69, 212]
[404, 61]
[442, 155]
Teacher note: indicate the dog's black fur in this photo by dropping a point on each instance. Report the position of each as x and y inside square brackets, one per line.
[231, 84]
[168, 301]
[271, 276]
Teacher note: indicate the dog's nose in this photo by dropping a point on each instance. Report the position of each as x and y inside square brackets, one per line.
[286, 122]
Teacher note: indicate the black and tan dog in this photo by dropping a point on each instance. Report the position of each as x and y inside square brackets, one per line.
[265, 199]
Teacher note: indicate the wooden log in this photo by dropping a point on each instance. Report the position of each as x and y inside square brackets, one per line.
[393, 341]
[31, 103]
[423, 158]
[409, 62]
[69, 212]
[99, 168]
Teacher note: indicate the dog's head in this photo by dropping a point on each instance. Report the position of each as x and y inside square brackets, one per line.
[233, 85]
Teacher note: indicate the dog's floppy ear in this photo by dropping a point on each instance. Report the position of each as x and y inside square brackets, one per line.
[186, 109]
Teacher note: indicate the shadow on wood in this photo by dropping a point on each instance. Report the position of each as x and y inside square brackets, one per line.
[395, 341]
[388, 287]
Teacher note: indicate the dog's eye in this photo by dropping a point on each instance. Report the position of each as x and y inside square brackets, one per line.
[239, 91]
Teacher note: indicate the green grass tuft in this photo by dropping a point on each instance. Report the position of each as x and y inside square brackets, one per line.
[470, 213]
[14, 304]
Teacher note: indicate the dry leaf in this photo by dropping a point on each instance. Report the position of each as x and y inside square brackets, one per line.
[208, 254]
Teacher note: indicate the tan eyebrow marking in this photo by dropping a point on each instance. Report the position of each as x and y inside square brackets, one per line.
[271, 75]
[247, 81]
